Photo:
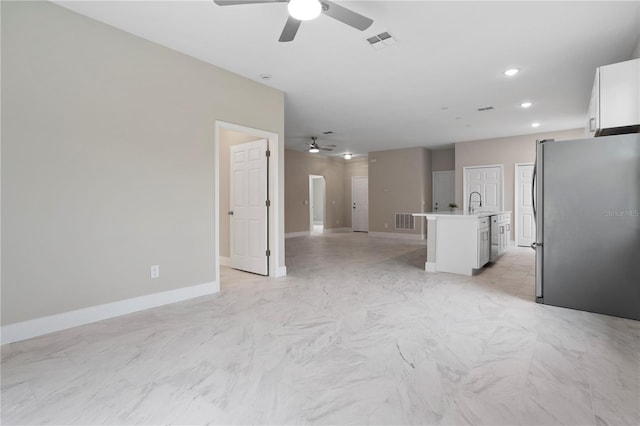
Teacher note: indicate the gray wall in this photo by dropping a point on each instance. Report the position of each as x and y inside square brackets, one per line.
[443, 159]
[337, 173]
[636, 50]
[399, 182]
[107, 161]
[298, 167]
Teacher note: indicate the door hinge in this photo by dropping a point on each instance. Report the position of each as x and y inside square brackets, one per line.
[268, 153]
[268, 203]
[268, 253]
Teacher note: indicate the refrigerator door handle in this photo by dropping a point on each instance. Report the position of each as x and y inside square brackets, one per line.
[533, 189]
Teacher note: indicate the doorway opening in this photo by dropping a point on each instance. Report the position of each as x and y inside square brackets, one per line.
[228, 135]
[317, 202]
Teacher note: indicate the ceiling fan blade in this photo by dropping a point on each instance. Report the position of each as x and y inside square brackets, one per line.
[345, 15]
[290, 29]
[329, 146]
[324, 148]
[235, 2]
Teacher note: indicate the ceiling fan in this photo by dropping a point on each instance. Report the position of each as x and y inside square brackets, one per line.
[315, 148]
[305, 10]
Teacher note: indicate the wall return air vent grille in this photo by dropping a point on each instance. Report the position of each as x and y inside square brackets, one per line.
[405, 221]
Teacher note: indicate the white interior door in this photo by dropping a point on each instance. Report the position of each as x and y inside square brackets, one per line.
[488, 182]
[525, 224]
[444, 188]
[248, 201]
[360, 203]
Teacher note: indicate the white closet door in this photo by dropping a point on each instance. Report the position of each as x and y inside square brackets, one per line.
[488, 182]
[360, 203]
[249, 207]
[525, 225]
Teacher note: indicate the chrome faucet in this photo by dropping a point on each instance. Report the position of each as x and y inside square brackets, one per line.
[471, 209]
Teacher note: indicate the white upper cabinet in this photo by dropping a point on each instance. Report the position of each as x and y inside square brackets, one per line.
[615, 99]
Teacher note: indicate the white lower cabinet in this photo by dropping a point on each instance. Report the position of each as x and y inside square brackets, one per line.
[461, 243]
[500, 235]
[484, 242]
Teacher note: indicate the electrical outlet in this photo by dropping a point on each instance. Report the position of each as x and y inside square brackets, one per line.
[155, 271]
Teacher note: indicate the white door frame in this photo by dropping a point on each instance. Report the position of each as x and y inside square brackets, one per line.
[276, 190]
[433, 187]
[465, 196]
[311, 198]
[515, 200]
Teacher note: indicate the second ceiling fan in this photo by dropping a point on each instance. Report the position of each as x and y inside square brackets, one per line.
[305, 10]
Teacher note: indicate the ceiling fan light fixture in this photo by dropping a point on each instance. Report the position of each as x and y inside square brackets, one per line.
[347, 156]
[304, 10]
[314, 150]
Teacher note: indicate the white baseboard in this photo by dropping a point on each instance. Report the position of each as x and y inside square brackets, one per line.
[397, 235]
[49, 324]
[332, 230]
[430, 266]
[281, 271]
[225, 261]
[296, 234]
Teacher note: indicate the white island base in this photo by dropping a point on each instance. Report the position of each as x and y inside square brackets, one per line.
[458, 242]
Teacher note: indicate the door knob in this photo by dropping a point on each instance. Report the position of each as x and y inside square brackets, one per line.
[230, 213]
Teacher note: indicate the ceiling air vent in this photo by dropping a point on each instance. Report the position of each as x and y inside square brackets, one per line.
[489, 108]
[382, 40]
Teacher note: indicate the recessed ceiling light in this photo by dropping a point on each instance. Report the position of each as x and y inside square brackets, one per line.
[511, 72]
[347, 156]
[536, 124]
[526, 104]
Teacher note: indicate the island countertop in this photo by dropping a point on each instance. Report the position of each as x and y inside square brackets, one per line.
[459, 214]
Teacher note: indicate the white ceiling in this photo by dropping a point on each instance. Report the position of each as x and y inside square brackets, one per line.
[448, 55]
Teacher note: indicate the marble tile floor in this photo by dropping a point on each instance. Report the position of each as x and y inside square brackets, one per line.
[357, 333]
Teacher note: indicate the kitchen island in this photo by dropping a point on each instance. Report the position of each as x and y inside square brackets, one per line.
[460, 242]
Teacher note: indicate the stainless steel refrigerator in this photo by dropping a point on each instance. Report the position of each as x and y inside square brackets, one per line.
[587, 210]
